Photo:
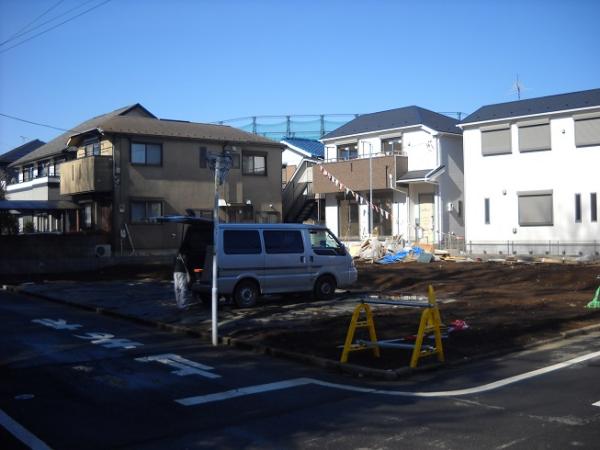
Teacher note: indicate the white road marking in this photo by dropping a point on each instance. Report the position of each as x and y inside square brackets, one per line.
[19, 432]
[596, 404]
[59, 324]
[108, 340]
[220, 396]
[185, 366]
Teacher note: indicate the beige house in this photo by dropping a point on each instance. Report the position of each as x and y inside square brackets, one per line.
[126, 167]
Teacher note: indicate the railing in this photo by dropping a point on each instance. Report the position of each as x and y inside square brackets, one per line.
[297, 192]
[32, 178]
[448, 241]
[537, 248]
[366, 156]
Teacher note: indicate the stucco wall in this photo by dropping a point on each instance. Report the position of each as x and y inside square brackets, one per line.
[181, 183]
[565, 169]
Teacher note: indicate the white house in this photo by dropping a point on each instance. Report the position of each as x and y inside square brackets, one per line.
[394, 173]
[532, 176]
[299, 202]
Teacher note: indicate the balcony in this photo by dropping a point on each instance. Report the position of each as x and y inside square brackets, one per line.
[354, 173]
[28, 184]
[89, 174]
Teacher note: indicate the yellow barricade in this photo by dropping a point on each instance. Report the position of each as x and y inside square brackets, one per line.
[430, 323]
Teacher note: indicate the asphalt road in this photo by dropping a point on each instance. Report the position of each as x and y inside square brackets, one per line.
[72, 379]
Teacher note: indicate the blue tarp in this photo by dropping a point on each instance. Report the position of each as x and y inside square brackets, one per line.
[400, 255]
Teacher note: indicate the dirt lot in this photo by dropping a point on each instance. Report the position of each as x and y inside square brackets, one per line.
[506, 306]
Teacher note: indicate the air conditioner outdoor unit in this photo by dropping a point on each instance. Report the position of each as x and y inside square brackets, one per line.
[102, 251]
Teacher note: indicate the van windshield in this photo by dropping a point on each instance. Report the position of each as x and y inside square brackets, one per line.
[325, 243]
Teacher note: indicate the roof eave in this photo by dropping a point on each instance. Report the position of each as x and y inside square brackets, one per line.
[386, 130]
[525, 116]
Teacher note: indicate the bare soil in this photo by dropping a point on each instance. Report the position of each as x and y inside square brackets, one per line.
[506, 306]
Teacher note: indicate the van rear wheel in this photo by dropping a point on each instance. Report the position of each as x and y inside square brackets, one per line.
[246, 293]
[325, 287]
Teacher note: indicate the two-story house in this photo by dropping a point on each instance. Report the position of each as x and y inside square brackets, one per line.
[394, 173]
[7, 158]
[126, 167]
[532, 183]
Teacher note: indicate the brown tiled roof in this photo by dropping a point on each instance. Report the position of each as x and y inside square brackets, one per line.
[119, 122]
[183, 130]
[58, 144]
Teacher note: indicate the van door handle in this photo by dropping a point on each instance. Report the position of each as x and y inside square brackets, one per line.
[303, 259]
[311, 258]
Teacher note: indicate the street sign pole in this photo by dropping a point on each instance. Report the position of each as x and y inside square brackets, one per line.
[214, 299]
[220, 163]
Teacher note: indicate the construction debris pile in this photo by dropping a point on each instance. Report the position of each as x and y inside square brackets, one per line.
[396, 250]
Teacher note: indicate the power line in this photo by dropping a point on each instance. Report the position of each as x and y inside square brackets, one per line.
[34, 123]
[55, 26]
[49, 20]
[20, 32]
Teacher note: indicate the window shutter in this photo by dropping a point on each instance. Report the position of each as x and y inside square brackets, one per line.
[535, 209]
[495, 142]
[534, 137]
[587, 132]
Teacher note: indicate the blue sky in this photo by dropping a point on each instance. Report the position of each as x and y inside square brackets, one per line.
[212, 60]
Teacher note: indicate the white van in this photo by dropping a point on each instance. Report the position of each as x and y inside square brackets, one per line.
[257, 259]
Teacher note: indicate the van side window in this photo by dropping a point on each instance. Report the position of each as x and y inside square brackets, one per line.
[324, 243]
[241, 242]
[277, 241]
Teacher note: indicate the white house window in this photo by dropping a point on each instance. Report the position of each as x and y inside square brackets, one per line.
[347, 151]
[146, 154]
[533, 138]
[577, 207]
[28, 173]
[593, 207]
[487, 211]
[587, 132]
[535, 208]
[496, 141]
[143, 210]
[391, 146]
[254, 164]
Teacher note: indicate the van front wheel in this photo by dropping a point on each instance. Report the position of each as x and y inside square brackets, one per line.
[246, 293]
[325, 287]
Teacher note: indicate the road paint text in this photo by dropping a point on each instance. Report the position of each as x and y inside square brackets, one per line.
[185, 366]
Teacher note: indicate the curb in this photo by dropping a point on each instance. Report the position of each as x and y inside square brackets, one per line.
[330, 364]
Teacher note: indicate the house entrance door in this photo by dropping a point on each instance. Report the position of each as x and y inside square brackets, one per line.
[426, 222]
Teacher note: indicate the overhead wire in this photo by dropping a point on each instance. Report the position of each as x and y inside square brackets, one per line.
[54, 26]
[34, 123]
[22, 31]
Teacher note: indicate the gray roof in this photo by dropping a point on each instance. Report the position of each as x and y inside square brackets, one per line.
[59, 144]
[539, 105]
[182, 129]
[396, 118]
[20, 151]
[421, 175]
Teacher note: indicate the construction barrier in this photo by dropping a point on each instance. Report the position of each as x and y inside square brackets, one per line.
[595, 303]
[430, 323]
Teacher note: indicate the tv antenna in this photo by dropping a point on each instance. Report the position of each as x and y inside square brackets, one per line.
[518, 87]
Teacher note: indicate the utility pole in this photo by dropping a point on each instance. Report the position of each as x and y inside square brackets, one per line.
[220, 164]
[370, 190]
